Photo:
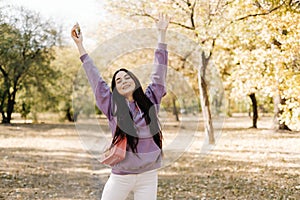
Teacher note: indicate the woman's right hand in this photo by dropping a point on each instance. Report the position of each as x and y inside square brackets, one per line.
[76, 35]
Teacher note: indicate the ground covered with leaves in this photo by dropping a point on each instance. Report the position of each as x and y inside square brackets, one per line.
[48, 161]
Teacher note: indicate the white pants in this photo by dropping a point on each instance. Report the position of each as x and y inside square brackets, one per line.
[144, 186]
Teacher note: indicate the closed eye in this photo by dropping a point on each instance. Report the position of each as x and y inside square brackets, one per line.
[127, 77]
[118, 80]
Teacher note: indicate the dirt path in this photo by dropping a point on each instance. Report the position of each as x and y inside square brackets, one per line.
[49, 161]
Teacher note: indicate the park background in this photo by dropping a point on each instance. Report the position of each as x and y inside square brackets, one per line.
[248, 81]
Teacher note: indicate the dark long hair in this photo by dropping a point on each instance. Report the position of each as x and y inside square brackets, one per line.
[125, 124]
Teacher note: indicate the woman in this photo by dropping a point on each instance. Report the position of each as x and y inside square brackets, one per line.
[132, 113]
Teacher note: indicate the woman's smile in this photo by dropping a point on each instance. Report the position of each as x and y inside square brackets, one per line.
[126, 86]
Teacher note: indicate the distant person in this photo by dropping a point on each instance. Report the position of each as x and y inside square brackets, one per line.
[132, 113]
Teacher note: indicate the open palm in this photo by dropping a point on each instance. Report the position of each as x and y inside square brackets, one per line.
[162, 22]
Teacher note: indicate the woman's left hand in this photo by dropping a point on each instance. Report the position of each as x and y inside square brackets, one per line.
[162, 22]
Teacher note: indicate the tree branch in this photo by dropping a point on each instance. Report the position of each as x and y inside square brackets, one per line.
[182, 25]
[187, 2]
[171, 22]
[192, 14]
[3, 71]
[258, 14]
[182, 8]
[249, 16]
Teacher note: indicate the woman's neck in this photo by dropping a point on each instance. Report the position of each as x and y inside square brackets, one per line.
[130, 99]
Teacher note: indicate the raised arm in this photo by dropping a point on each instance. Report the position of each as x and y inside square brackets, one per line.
[161, 54]
[162, 24]
[99, 86]
[157, 89]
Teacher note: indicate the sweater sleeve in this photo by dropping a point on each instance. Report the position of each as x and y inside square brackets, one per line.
[157, 89]
[100, 88]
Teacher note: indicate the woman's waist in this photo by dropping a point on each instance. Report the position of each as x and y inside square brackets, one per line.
[139, 162]
[145, 138]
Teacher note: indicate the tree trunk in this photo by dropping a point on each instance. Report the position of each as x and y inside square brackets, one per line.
[2, 111]
[11, 103]
[277, 124]
[7, 118]
[69, 115]
[254, 110]
[204, 98]
[229, 114]
[9, 110]
[175, 111]
[10, 96]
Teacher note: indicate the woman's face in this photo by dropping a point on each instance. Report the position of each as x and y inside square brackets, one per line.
[125, 84]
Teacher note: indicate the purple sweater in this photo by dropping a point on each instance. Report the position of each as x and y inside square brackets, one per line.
[149, 154]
